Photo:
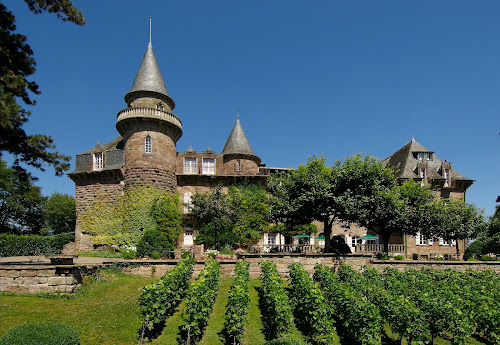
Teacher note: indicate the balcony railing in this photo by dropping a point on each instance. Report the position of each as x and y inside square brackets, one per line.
[377, 248]
[289, 248]
[150, 113]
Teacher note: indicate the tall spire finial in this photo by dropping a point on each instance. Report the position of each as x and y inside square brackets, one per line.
[237, 113]
[149, 29]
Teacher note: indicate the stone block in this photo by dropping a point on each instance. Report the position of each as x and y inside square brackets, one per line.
[17, 288]
[28, 273]
[10, 273]
[3, 288]
[19, 280]
[41, 280]
[29, 281]
[56, 280]
[6, 280]
[46, 273]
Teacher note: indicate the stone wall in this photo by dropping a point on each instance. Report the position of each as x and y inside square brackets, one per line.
[460, 266]
[39, 279]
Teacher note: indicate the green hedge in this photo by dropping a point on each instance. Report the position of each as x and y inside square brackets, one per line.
[22, 245]
[41, 333]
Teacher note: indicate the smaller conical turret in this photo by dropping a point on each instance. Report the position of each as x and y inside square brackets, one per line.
[238, 153]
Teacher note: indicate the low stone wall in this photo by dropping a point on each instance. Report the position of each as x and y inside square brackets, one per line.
[460, 266]
[34, 279]
[308, 261]
[154, 269]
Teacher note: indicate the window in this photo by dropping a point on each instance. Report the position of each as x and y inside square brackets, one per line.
[238, 165]
[189, 165]
[424, 156]
[355, 241]
[98, 161]
[159, 106]
[271, 239]
[188, 206]
[421, 240]
[421, 172]
[147, 145]
[208, 166]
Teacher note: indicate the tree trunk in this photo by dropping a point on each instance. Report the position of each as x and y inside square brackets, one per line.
[327, 232]
[456, 245]
[385, 238]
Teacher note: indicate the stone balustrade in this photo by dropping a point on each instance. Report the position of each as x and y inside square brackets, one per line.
[149, 113]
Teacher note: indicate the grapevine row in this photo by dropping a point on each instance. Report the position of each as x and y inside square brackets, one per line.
[199, 301]
[399, 311]
[313, 316]
[358, 315]
[277, 315]
[238, 302]
[159, 300]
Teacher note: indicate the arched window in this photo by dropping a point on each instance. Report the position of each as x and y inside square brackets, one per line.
[238, 165]
[147, 145]
[159, 106]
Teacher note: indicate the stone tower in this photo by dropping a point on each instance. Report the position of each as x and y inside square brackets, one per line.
[149, 129]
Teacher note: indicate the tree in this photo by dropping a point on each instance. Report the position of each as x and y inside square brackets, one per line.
[16, 65]
[454, 220]
[303, 195]
[59, 213]
[214, 216]
[235, 218]
[21, 201]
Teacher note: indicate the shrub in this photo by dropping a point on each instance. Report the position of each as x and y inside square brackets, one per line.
[286, 341]
[41, 333]
[415, 256]
[399, 257]
[382, 256]
[488, 257]
[153, 241]
[22, 245]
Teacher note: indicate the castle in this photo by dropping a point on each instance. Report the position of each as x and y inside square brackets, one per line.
[145, 152]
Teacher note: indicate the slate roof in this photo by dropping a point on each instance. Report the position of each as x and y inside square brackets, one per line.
[405, 163]
[237, 143]
[149, 77]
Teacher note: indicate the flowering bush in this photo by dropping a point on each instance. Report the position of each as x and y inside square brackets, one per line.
[489, 257]
[239, 251]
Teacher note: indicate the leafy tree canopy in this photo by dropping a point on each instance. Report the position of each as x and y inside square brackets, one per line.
[59, 213]
[453, 220]
[16, 66]
[21, 201]
[235, 218]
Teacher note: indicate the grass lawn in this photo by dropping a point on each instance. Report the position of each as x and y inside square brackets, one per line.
[106, 311]
[103, 312]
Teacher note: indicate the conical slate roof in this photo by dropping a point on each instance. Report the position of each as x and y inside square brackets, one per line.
[149, 76]
[237, 143]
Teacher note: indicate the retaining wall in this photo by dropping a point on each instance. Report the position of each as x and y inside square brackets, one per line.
[34, 279]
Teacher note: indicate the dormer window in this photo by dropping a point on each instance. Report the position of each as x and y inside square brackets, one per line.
[424, 156]
[98, 161]
[148, 148]
[159, 106]
[238, 165]
[421, 172]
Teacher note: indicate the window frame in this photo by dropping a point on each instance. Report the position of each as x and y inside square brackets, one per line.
[98, 161]
[205, 168]
[148, 144]
[189, 170]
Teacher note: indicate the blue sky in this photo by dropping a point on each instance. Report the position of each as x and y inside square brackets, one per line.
[327, 77]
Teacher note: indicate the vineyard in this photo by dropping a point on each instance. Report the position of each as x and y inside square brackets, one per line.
[343, 307]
